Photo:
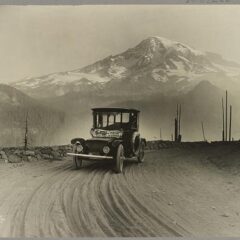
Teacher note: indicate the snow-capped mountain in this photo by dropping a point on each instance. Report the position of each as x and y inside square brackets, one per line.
[155, 65]
[153, 77]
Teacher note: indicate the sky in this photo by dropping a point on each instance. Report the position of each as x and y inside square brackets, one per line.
[38, 40]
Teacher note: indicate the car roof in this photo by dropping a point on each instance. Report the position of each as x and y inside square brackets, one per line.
[115, 110]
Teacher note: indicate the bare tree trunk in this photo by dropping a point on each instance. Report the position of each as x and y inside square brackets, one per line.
[26, 133]
[226, 115]
[176, 126]
[230, 124]
[223, 132]
[179, 122]
[204, 138]
[176, 130]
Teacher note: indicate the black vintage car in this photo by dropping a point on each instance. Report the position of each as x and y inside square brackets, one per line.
[115, 137]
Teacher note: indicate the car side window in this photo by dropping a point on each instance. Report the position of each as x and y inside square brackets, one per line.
[100, 120]
[105, 120]
[111, 119]
[118, 118]
[125, 117]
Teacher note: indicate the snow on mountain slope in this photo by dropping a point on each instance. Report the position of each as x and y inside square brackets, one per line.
[60, 83]
[63, 79]
[155, 64]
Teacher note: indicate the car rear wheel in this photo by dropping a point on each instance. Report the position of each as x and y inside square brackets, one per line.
[119, 158]
[141, 152]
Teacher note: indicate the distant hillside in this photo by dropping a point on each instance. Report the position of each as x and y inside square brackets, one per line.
[43, 121]
[202, 103]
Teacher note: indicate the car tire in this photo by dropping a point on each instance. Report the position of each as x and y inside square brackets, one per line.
[77, 162]
[119, 158]
[141, 152]
[135, 143]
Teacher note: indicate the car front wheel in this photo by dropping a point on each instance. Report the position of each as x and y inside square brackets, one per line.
[77, 162]
[119, 158]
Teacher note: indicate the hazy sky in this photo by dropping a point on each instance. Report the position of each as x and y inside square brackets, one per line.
[37, 40]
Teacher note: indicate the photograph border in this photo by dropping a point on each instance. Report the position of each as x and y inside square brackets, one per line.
[116, 2]
[122, 2]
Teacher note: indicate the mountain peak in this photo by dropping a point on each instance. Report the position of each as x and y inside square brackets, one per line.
[153, 40]
[156, 43]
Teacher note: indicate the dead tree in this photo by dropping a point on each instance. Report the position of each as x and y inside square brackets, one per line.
[223, 132]
[227, 129]
[230, 124]
[203, 132]
[177, 125]
[26, 133]
[176, 130]
[226, 115]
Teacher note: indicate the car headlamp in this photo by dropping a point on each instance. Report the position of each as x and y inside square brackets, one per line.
[92, 132]
[106, 149]
[79, 148]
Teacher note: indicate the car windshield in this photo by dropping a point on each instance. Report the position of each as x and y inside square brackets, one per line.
[115, 120]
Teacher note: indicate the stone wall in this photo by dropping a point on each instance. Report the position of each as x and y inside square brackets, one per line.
[18, 154]
[156, 145]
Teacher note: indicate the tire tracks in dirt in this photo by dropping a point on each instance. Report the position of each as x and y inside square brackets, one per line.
[93, 201]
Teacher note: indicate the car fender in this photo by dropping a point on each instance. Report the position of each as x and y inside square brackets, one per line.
[116, 142]
[80, 140]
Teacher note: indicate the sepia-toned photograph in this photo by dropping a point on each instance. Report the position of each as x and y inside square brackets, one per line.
[120, 120]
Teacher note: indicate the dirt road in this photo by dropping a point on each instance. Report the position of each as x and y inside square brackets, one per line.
[174, 193]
